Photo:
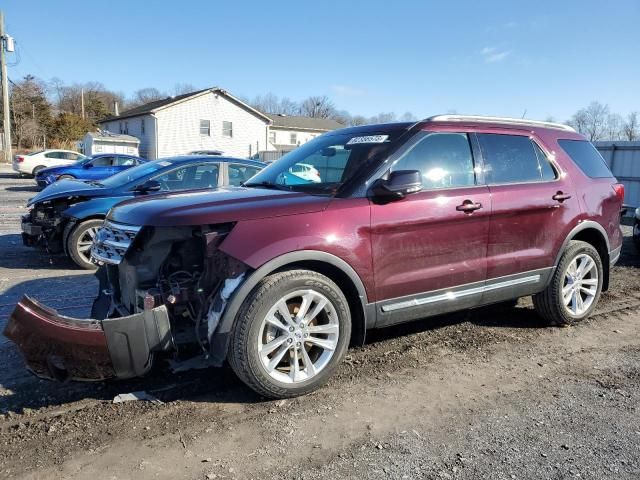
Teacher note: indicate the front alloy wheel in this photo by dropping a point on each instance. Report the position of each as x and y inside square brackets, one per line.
[290, 334]
[298, 336]
[79, 242]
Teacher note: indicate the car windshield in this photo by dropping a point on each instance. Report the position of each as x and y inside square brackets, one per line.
[325, 163]
[134, 173]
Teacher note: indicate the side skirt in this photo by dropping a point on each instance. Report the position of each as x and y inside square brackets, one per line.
[437, 302]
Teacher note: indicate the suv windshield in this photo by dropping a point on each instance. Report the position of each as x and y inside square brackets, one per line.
[134, 173]
[325, 163]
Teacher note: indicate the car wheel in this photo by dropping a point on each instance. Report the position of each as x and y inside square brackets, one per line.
[575, 287]
[636, 236]
[37, 169]
[65, 177]
[290, 334]
[79, 242]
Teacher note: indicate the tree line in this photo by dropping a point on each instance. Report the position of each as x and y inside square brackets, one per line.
[58, 114]
[597, 122]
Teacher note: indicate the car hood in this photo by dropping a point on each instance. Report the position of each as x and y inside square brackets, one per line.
[68, 188]
[199, 207]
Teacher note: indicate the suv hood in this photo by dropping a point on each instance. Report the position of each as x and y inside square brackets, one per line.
[199, 207]
[68, 188]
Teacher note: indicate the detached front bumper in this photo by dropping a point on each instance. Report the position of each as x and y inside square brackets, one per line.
[64, 348]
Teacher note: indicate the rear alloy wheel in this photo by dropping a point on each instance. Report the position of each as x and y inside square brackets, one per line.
[575, 287]
[291, 333]
[79, 242]
[37, 169]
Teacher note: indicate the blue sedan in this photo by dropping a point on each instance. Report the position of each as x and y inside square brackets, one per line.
[65, 216]
[96, 167]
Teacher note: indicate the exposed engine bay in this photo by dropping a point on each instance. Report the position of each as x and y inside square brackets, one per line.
[44, 224]
[180, 268]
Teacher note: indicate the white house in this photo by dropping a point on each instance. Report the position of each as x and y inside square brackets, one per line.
[209, 119]
[107, 142]
[287, 132]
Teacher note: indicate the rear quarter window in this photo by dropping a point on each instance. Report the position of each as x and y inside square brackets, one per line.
[588, 159]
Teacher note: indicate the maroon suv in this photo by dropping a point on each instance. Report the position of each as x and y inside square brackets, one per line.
[394, 223]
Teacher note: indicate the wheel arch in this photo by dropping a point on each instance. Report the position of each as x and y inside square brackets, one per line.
[339, 271]
[72, 223]
[594, 234]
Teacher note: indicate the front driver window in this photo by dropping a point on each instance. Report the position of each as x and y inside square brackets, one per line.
[444, 160]
[103, 161]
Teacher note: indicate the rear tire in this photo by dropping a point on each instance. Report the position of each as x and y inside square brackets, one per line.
[575, 288]
[79, 242]
[283, 355]
[37, 169]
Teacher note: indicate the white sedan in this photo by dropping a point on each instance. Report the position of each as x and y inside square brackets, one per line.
[30, 163]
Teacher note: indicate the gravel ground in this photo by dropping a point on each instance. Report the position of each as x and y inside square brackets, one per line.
[488, 393]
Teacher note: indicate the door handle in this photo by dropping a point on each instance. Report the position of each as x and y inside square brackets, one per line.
[561, 197]
[468, 206]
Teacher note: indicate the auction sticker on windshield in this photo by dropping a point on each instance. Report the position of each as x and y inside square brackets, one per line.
[368, 139]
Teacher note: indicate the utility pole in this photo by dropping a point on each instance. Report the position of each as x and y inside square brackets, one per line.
[5, 94]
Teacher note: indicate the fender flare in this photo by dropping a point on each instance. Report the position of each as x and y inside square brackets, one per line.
[584, 225]
[220, 339]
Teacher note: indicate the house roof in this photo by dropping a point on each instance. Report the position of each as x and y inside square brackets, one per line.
[112, 137]
[156, 105]
[303, 123]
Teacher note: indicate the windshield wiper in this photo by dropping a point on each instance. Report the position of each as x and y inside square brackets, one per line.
[265, 184]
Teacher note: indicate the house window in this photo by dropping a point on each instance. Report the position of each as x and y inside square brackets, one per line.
[205, 127]
[126, 128]
[227, 129]
[142, 126]
[294, 139]
[272, 137]
[121, 128]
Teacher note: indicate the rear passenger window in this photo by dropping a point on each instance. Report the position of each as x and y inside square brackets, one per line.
[443, 159]
[588, 159]
[546, 170]
[513, 159]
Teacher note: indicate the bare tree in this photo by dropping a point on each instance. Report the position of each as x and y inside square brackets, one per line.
[183, 88]
[591, 121]
[408, 117]
[631, 127]
[146, 95]
[30, 111]
[383, 118]
[317, 107]
[613, 127]
[357, 120]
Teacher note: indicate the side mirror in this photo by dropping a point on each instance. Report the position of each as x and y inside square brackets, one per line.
[399, 184]
[148, 186]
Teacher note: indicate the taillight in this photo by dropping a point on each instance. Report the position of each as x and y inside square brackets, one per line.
[619, 189]
[19, 158]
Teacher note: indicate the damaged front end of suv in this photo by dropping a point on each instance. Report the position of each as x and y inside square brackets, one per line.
[162, 293]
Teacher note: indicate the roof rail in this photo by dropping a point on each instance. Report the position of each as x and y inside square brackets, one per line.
[506, 120]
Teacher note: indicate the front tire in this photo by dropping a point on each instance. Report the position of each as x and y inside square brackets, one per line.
[79, 242]
[575, 287]
[290, 334]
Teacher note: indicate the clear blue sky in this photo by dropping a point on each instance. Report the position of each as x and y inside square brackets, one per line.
[488, 57]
